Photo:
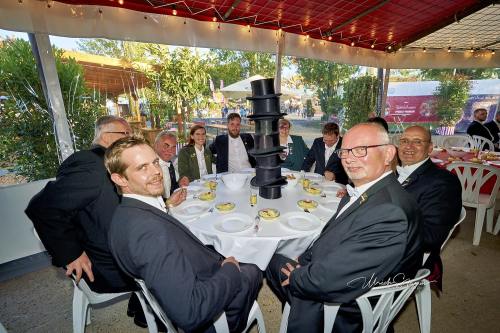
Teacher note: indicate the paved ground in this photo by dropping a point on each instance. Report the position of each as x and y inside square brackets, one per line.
[41, 301]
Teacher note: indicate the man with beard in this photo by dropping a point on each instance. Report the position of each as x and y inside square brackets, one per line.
[231, 149]
[192, 283]
[477, 127]
[374, 236]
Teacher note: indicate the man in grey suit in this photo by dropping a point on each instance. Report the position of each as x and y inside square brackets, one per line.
[373, 237]
[192, 283]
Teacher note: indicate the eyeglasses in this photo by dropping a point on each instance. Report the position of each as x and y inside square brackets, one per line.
[359, 151]
[126, 133]
[415, 142]
[284, 127]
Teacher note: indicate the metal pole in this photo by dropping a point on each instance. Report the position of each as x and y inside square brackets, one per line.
[380, 90]
[46, 64]
[279, 54]
[386, 88]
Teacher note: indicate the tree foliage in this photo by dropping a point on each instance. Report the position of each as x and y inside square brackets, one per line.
[327, 77]
[129, 51]
[360, 98]
[26, 135]
[233, 66]
[470, 73]
[451, 96]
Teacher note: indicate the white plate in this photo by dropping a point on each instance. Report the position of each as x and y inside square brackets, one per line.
[313, 176]
[190, 208]
[235, 222]
[299, 221]
[436, 160]
[211, 176]
[331, 186]
[466, 149]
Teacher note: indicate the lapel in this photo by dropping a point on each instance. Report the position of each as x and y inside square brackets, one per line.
[412, 178]
[363, 199]
[333, 156]
[321, 156]
[130, 202]
[225, 147]
[208, 160]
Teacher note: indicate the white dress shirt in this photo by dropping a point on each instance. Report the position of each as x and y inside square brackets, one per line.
[200, 156]
[238, 158]
[405, 171]
[156, 202]
[166, 178]
[329, 151]
[360, 190]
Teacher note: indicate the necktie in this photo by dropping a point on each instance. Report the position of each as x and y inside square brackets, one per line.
[173, 181]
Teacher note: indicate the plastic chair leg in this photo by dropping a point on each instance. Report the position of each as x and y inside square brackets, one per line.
[424, 306]
[489, 219]
[256, 314]
[284, 318]
[478, 226]
[80, 306]
[88, 320]
[497, 226]
[148, 313]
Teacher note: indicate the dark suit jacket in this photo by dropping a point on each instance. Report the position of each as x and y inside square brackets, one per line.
[377, 237]
[296, 154]
[317, 154]
[220, 147]
[476, 128]
[188, 162]
[439, 195]
[493, 128]
[185, 276]
[72, 214]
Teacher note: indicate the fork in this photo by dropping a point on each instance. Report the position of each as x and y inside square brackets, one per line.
[306, 210]
[323, 195]
[256, 226]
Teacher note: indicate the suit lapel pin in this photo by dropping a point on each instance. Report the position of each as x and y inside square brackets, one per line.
[406, 182]
[363, 198]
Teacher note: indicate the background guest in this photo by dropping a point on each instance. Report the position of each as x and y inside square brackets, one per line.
[296, 149]
[194, 160]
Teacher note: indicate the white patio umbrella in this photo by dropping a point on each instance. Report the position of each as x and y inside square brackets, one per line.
[242, 89]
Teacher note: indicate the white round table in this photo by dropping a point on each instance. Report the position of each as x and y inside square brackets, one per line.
[290, 234]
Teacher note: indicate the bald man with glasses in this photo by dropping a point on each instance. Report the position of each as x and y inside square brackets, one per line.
[374, 236]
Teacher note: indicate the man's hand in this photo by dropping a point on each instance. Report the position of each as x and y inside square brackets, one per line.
[330, 176]
[177, 197]
[287, 271]
[231, 260]
[184, 181]
[82, 263]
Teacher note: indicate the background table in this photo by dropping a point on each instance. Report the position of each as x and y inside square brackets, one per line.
[249, 247]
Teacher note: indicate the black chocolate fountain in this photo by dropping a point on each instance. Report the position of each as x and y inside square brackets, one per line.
[266, 113]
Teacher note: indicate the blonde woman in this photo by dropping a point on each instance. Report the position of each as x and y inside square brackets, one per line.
[296, 149]
[194, 160]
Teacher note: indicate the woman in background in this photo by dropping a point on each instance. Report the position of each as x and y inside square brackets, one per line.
[296, 149]
[194, 160]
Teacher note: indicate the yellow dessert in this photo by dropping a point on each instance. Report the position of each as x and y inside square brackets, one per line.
[290, 176]
[225, 206]
[307, 204]
[476, 160]
[207, 196]
[269, 213]
[211, 184]
[313, 190]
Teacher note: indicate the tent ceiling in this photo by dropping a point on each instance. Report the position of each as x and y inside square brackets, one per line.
[377, 24]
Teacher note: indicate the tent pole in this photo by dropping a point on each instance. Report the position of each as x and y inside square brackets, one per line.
[386, 88]
[279, 54]
[46, 64]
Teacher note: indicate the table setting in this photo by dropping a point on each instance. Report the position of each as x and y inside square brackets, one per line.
[225, 211]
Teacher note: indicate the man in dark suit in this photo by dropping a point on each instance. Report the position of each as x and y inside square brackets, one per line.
[374, 236]
[438, 192]
[166, 148]
[231, 149]
[494, 127]
[477, 127]
[323, 153]
[192, 283]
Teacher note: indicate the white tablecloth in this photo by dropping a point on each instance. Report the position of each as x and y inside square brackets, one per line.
[272, 237]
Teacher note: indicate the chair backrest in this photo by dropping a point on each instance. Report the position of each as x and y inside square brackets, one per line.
[437, 140]
[482, 143]
[220, 324]
[391, 299]
[457, 141]
[92, 296]
[463, 214]
[472, 177]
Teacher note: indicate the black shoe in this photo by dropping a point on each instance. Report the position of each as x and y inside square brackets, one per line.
[134, 306]
[140, 320]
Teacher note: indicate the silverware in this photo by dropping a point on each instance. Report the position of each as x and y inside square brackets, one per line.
[323, 195]
[306, 210]
[256, 226]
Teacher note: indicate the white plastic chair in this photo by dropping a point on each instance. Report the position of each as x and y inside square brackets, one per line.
[463, 214]
[149, 302]
[83, 298]
[2, 329]
[457, 141]
[497, 226]
[437, 140]
[473, 177]
[388, 305]
[482, 143]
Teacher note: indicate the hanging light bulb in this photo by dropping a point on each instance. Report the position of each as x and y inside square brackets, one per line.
[121, 2]
[174, 12]
[389, 47]
[373, 45]
[329, 37]
[492, 51]
[214, 19]
[449, 49]
[352, 43]
[424, 49]
[471, 50]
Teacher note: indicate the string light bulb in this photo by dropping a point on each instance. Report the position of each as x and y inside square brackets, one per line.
[471, 50]
[214, 19]
[329, 37]
[174, 12]
[424, 49]
[248, 27]
[373, 45]
[449, 49]
[121, 2]
[352, 43]
[492, 51]
[389, 47]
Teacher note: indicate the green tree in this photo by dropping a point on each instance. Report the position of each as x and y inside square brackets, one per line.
[26, 135]
[233, 66]
[470, 73]
[129, 51]
[360, 98]
[451, 96]
[327, 77]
